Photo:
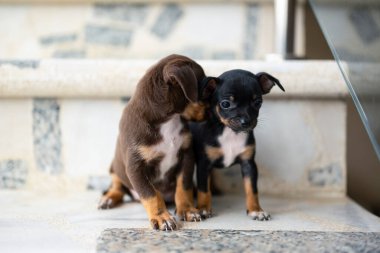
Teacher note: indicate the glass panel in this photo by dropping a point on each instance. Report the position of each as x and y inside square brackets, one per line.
[352, 30]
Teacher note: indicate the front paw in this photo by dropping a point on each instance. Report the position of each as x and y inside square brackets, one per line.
[259, 215]
[189, 214]
[164, 222]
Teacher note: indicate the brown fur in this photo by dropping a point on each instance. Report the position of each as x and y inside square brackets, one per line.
[166, 89]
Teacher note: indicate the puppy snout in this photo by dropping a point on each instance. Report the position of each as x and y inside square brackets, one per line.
[247, 123]
[244, 122]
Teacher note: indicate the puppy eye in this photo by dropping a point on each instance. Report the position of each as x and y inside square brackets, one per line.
[225, 104]
[257, 103]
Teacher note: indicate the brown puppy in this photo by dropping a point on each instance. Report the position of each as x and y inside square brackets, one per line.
[153, 152]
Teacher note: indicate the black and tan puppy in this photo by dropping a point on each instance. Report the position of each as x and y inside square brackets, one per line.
[226, 138]
[154, 147]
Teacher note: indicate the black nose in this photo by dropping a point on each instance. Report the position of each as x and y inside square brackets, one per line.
[245, 122]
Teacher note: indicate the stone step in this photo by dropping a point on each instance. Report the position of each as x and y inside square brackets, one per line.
[86, 78]
[69, 221]
[60, 120]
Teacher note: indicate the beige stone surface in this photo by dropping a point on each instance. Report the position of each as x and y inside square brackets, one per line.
[118, 78]
[16, 131]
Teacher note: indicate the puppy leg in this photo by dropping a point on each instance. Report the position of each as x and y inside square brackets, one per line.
[151, 199]
[184, 198]
[250, 175]
[159, 217]
[204, 192]
[184, 202]
[114, 195]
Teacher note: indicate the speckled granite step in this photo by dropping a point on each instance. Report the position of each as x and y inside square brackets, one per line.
[143, 240]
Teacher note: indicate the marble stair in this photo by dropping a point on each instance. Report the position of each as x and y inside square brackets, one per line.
[69, 69]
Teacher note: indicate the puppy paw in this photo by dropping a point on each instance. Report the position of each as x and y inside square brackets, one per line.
[164, 222]
[205, 213]
[191, 214]
[109, 201]
[259, 215]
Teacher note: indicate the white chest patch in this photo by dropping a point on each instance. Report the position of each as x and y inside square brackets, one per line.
[232, 144]
[171, 143]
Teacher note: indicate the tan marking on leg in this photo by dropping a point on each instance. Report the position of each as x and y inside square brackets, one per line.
[114, 195]
[248, 152]
[204, 201]
[252, 200]
[159, 216]
[186, 140]
[148, 153]
[184, 202]
[213, 153]
[194, 111]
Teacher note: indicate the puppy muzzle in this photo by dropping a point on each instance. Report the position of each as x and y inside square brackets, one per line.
[242, 124]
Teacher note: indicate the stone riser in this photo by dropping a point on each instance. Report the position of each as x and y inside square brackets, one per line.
[69, 144]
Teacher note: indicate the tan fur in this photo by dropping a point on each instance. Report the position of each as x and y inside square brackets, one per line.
[148, 153]
[248, 152]
[114, 195]
[184, 202]
[187, 138]
[195, 111]
[252, 199]
[158, 215]
[214, 153]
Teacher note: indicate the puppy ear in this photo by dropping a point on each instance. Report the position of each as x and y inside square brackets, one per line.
[208, 87]
[267, 82]
[185, 77]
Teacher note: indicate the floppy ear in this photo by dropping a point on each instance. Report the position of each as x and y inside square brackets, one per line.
[267, 82]
[185, 77]
[208, 87]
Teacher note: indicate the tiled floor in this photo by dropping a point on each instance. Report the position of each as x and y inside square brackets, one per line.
[70, 222]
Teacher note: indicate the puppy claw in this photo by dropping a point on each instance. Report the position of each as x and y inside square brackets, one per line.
[106, 203]
[154, 224]
[110, 200]
[205, 214]
[191, 215]
[164, 222]
[259, 215]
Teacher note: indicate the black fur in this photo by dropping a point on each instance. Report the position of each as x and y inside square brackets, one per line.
[243, 91]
